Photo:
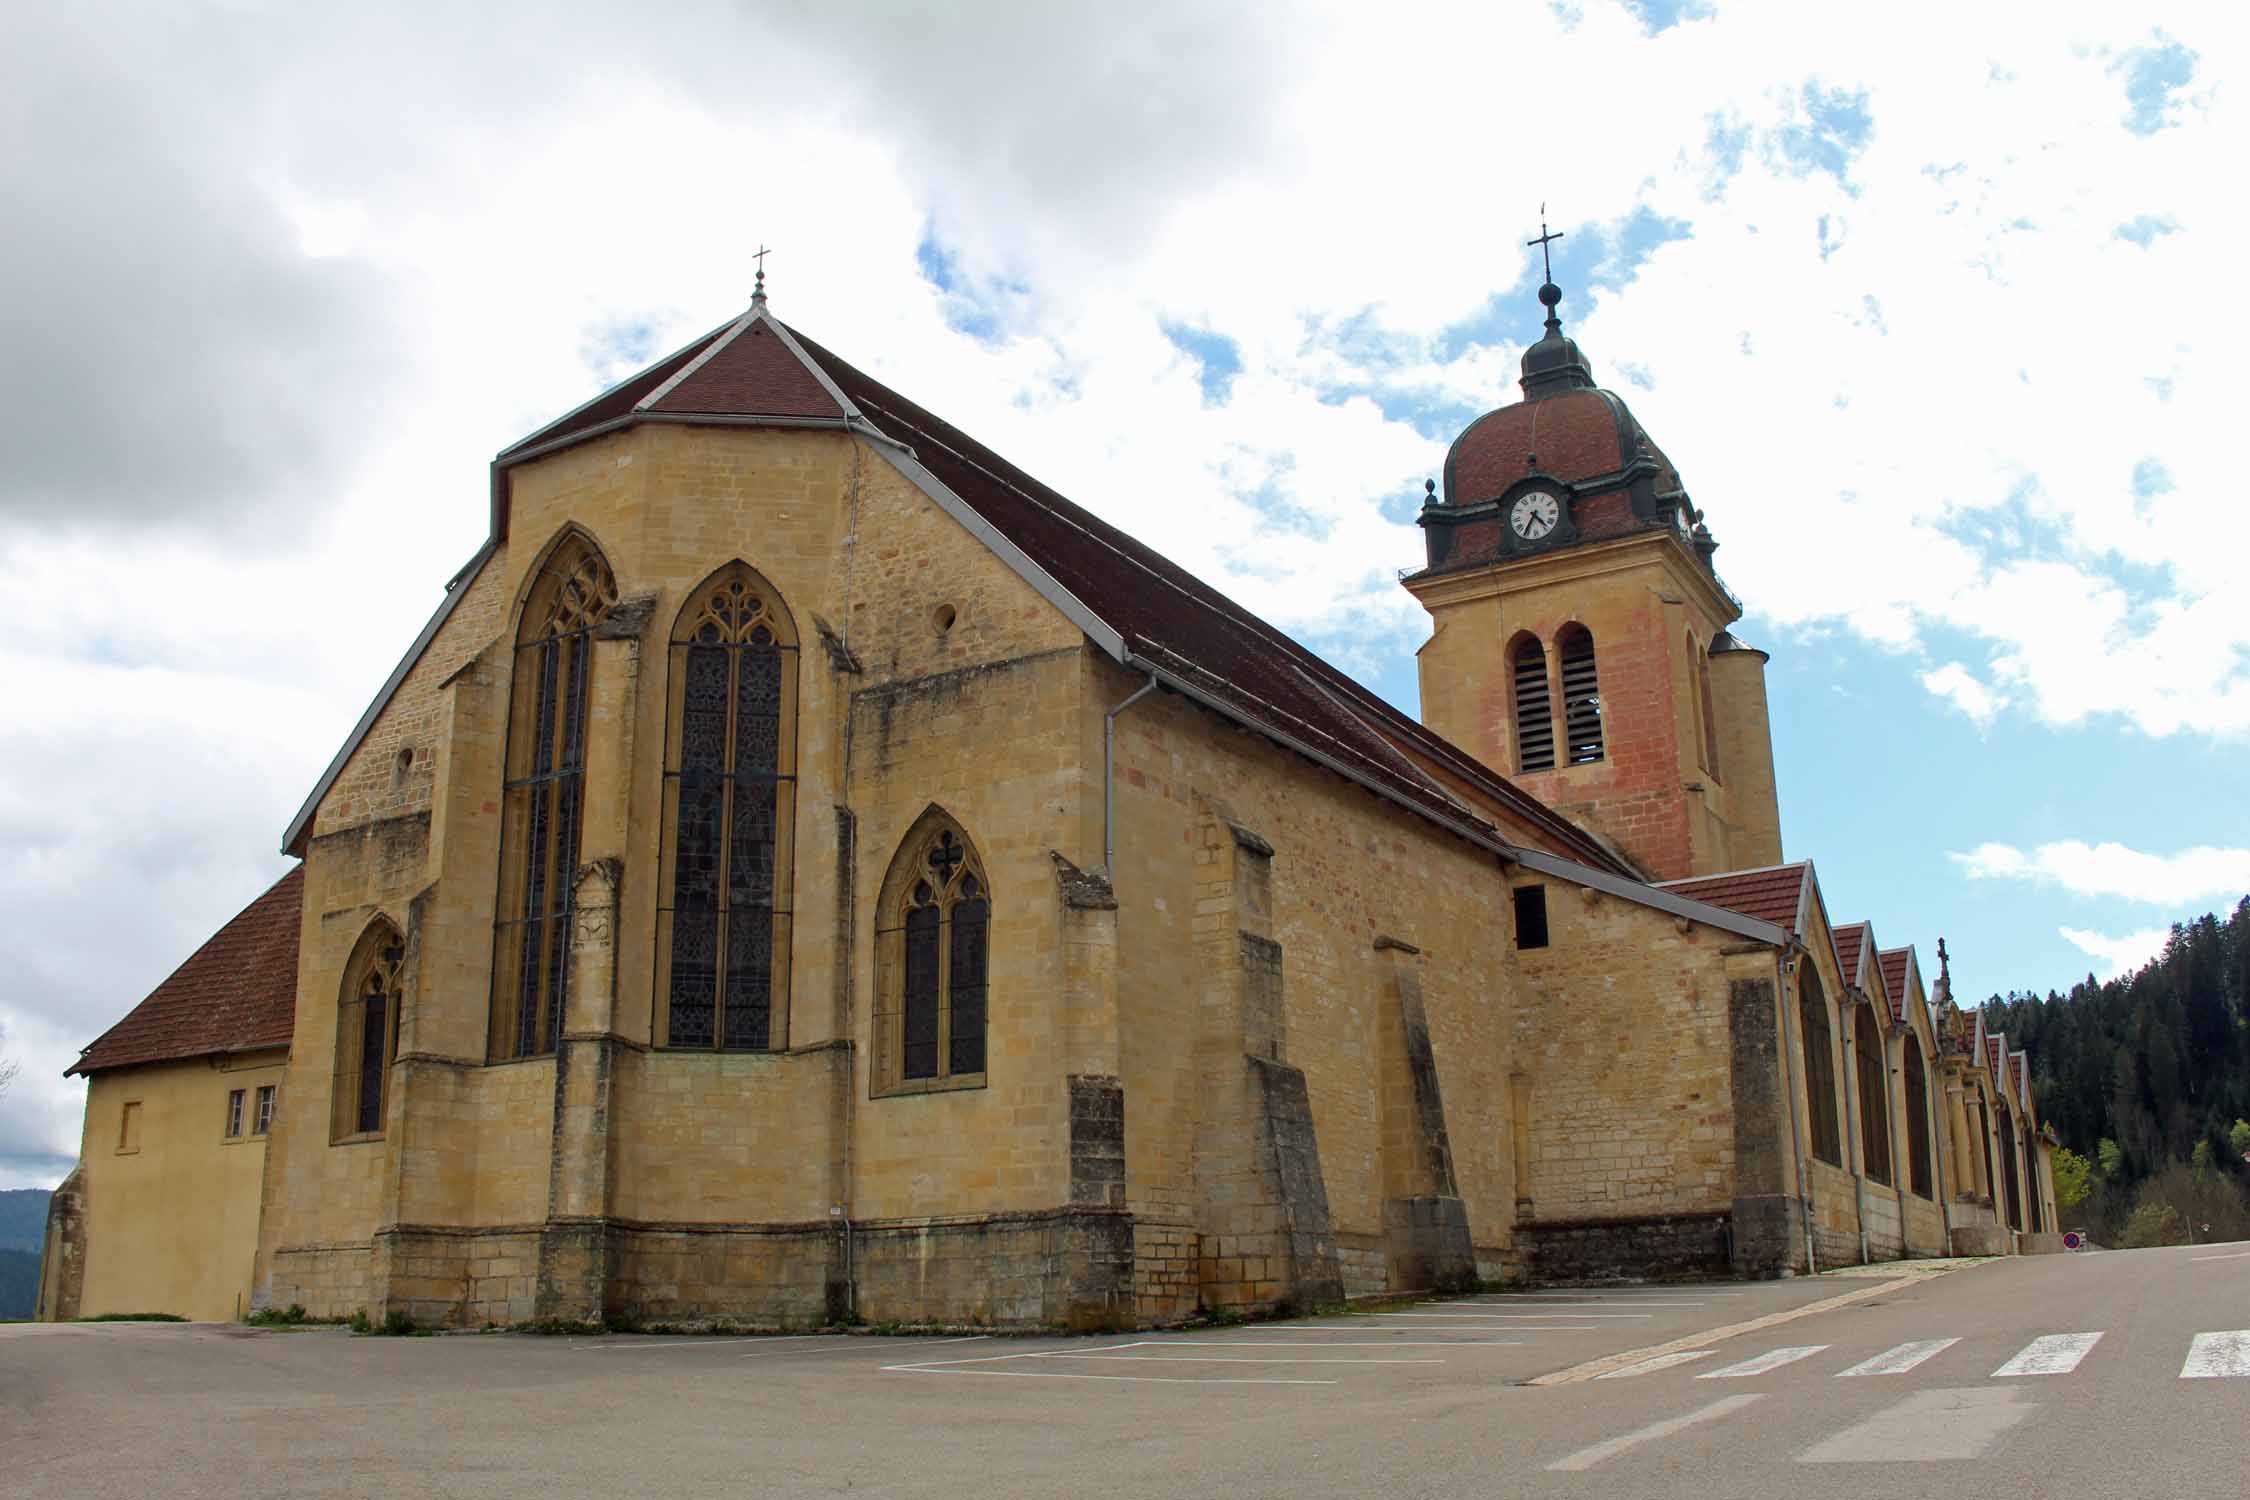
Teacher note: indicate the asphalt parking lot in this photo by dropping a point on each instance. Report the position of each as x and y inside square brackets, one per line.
[1277, 1408]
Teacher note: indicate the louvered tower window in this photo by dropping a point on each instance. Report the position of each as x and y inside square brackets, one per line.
[546, 789]
[730, 783]
[1581, 696]
[1535, 717]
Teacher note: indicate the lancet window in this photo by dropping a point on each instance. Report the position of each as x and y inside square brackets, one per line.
[1820, 1070]
[2008, 1168]
[1918, 1166]
[366, 1035]
[730, 798]
[545, 793]
[1874, 1098]
[1535, 714]
[933, 952]
[1581, 696]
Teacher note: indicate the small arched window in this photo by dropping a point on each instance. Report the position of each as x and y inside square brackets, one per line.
[1581, 696]
[1820, 1069]
[1710, 720]
[730, 793]
[933, 946]
[1535, 714]
[366, 1035]
[1874, 1097]
[545, 790]
[1918, 1168]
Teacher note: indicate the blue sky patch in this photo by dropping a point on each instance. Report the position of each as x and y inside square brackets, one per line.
[615, 347]
[1662, 15]
[1219, 356]
[1835, 124]
[970, 306]
[2152, 74]
[2145, 230]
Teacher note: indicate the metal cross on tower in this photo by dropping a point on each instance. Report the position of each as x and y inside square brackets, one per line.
[1545, 239]
[758, 295]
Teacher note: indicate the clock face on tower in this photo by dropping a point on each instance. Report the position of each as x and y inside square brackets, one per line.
[1535, 515]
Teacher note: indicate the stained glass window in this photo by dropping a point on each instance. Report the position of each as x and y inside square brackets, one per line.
[934, 954]
[366, 1034]
[545, 789]
[1820, 1071]
[730, 776]
[1917, 1119]
[1874, 1099]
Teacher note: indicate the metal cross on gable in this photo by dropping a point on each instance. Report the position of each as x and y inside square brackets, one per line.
[946, 858]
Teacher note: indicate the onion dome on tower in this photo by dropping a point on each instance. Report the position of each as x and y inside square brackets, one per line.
[1565, 466]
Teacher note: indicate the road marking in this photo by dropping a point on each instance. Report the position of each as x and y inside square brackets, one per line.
[2218, 1356]
[1600, 1302]
[2237, 1255]
[1586, 1458]
[1352, 1343]
[1771, 1360]
[1434, 1328]
[702, 1343]
[1927, 1427]
[1898, 1361]
[2050, 1354]
[885, 1345]
[1593, 1369]
[1660, 1362]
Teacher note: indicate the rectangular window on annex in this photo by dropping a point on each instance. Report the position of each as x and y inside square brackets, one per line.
[129, 1127]
[1531, 916]
[234, 1113]
[265, 1110]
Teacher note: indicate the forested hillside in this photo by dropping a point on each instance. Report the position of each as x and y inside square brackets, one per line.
[23, 1226]
[2146, 1077]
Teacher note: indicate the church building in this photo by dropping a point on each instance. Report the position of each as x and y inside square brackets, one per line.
[808, 869]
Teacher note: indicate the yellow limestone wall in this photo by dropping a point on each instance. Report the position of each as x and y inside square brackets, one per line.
[173, 1226]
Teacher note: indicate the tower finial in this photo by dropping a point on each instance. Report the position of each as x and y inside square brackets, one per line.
[758, 293]
[1549, 293]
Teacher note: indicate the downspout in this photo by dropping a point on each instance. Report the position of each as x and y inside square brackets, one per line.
[1781, 964]
[1854, 1107]
[1109, 777]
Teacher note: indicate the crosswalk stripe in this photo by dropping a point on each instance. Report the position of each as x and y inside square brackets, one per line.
[2218, 1356]
[1898, 1361]
[2050, 1354]
[1660, 1362]
[1772, 1359]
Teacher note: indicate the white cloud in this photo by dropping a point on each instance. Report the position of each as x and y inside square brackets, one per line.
[2119, 955]
[1959, 686]
[2113, 870]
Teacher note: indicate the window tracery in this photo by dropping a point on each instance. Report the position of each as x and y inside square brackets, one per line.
[545, 795]
[730, 783]
[933, 952]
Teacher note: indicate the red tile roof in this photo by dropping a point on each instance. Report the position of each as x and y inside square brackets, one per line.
[236, 993]
[1774, 895]
[1894, 962]
[1852, 948]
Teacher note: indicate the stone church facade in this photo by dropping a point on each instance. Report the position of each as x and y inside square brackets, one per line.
[809, 870]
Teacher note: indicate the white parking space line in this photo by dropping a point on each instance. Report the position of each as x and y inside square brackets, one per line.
[704, 1343]
[1928, 1427]
[1772, 1359]
[2237, 1255]
[1347, 1343]
[2218, 1356]
[1236, 1359]
[1074, 1375]
[2050, 1354]
[884, 1345]
[1898, 1361]
[1602, 1302]
[1660, 1362]
[1586, 1458]
[1435, 1328]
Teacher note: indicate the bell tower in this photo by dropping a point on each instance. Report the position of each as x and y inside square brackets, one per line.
[1579, 639]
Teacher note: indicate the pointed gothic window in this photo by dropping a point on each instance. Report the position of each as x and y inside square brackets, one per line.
[932, 952]
[366, 1035]
[1535, 714]
[730, 795]
[1581, 696]
[1874, 1098]
[1918, 1172]
[1820, 1069]
[545, 790]
[2008, 1166]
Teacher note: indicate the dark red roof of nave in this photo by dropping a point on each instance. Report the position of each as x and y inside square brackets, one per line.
[752, 374]
[1852, 950]
[1775, 895]
[236, 993]
[1894, 962]
[1165, 614]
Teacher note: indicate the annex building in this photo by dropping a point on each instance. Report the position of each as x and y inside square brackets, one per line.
[808, 868]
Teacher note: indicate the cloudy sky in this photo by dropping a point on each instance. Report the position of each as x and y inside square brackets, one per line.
[1932, 304]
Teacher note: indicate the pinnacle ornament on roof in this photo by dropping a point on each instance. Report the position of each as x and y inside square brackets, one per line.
[758, 289]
